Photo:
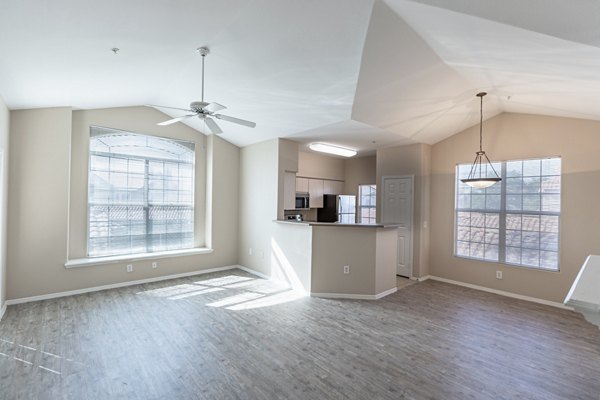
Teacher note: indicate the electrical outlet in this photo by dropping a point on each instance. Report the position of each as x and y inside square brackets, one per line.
[154, 265]
[262, 254]
[250, 251]
[129, 267]
[346, 269]
[498, 274]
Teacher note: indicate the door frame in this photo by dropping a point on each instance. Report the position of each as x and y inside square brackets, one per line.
[412, 216]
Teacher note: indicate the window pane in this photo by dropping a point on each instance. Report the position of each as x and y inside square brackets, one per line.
[551, 202]
[548, 259]
[531, 202]
[492, 220]
[514, 202]
[514, 168]
[532, 167]
[491, 252]
[551, 184]
[513, 255]
[462, 249]
[126, 180]
[477, 234]
[513, 238]
[492, 236]
[478, 201]
[551, 166]
[476, 250]
[514, 185]
[492, 202]
[525, 229]
[531, 185]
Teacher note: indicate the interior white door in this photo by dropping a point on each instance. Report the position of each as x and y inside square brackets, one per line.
[397, 209]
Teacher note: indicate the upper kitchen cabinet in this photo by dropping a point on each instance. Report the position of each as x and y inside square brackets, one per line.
[289, 190]
[302, 185]
[315, 190]
[333, 187]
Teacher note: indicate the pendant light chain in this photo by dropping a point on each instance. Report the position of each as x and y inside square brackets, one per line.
[481, 123]
[481, 181]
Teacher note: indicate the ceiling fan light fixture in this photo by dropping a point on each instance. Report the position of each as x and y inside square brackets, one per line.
[331, 149]
[478, 176]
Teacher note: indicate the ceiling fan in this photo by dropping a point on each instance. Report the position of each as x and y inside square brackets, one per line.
[205, 111]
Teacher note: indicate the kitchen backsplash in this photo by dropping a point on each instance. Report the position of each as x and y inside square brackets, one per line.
[307, 215]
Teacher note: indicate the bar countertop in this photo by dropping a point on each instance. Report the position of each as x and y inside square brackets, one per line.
[334, 224]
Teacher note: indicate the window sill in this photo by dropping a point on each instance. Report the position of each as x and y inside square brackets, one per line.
[87, 262]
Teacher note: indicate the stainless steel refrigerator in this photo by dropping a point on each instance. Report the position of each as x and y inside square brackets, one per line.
[337, 208]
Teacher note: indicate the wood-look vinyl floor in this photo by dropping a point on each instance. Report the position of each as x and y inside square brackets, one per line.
[230, 335]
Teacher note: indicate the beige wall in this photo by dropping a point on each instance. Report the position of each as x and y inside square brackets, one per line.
[359, 171]
[4, 151]
[411, 160]
[38, 202]
[259, 179]
[520, 136]
[317, 166]
[370, 253]
[38, 235]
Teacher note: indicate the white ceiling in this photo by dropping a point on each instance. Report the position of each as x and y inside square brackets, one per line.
[360, 73]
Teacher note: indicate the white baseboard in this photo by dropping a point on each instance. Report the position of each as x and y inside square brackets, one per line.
[501, 292]
[423, 278]
[2, 310]
[115, 285]
[354, 296]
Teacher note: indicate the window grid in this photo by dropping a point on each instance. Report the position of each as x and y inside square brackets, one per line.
[367, 195]
[139, 204]
[515, 221]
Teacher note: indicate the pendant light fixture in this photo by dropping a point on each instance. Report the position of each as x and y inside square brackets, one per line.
[478, 177]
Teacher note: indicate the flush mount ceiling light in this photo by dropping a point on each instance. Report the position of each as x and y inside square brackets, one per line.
[478, 176]
[331, 149]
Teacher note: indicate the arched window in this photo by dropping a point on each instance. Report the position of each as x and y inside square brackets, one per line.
[140, 193]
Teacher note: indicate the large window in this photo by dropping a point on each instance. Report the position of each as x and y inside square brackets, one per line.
[366, 204]
[140, 194]
[515, 221]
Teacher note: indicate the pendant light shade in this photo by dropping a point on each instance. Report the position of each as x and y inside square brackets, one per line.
[478, 177]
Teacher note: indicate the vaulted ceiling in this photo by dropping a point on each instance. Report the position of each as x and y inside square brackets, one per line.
[360, 73]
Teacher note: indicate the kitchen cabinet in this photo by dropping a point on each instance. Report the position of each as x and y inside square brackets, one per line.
[315, 189]
[302, 185]
[289, 191]
[333, 187]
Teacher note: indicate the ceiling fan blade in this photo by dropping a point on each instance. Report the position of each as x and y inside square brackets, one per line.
[212, 126]
[236, 120]
[214, 107]
[172, 108]
[172, 121]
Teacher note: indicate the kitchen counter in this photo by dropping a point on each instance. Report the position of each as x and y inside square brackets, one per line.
[336, 260]
[314, 223]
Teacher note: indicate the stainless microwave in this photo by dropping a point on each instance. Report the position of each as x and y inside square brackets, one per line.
[302, 201]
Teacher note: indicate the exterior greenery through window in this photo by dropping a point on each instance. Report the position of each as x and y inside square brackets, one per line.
[366, 204]
[515, 221]
[140, 193]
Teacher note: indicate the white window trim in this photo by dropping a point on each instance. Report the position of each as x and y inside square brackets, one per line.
[90, 261]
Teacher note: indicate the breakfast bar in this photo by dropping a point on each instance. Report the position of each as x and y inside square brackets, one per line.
[336, 260]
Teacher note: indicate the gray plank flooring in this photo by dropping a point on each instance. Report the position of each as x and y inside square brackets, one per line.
[230, 335]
